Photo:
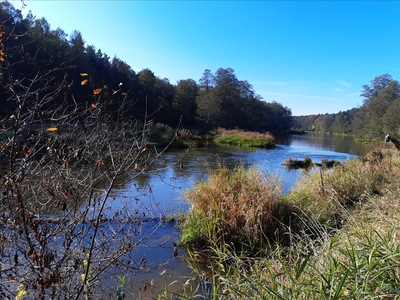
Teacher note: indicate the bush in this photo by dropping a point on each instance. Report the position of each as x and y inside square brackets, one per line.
[232, 207]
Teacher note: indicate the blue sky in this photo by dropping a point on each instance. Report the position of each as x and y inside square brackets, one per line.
[311, 56]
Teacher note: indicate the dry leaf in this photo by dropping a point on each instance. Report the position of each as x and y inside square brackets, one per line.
[51, 129]
[97, 91]
[83, 82]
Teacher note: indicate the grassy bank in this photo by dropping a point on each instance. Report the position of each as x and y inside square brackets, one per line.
[245, 138]
[165, 135]
[334, 236]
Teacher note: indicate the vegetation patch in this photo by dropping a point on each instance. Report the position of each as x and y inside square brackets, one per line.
[336, 236]
[165, 135]
[245, 138]
[233, 206]
[307, 163]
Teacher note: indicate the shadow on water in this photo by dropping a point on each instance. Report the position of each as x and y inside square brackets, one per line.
[162, 191]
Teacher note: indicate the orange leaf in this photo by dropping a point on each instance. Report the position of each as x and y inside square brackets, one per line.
[93, 105]
[26, 150]
[97, 91]
[51, 129]
[83, 82]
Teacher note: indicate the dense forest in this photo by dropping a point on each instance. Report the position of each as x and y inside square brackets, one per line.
[377, 116]
[218, 99]
[329, 123]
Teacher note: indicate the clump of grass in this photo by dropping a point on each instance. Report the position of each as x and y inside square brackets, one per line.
[307, 163]
[292, 163]
[245, 138]
[235, 207]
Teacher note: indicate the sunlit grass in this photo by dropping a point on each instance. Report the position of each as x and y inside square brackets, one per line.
[232, 207]
[245, 138]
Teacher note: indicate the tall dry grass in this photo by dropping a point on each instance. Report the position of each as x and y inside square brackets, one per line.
[232, 207]
[325, 194]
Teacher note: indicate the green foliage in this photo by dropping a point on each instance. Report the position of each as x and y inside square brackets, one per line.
[218, 100]
[184, 100]
[378, 116]
[341, 122]
[224, 101]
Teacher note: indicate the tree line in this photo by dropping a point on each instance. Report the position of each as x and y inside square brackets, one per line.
[218, 99]
[377, 116]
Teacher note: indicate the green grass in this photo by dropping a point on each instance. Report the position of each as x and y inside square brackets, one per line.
[245, 138]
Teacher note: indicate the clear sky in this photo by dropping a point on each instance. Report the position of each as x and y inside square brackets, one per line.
[311, 56]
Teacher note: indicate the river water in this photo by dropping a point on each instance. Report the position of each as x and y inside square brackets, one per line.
[160, 193]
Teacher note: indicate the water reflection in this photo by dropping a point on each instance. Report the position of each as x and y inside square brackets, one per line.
[159, 192]
[162, 187]
[325, 142]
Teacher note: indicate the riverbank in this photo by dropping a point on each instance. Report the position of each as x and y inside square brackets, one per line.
[336, 237]
[166, 136]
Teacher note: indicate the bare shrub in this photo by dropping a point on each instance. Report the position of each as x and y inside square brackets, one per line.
[64, 228]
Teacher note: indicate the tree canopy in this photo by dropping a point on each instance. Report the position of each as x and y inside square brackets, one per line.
[218, 99]
[379, 115]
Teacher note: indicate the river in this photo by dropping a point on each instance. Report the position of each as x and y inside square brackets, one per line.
[160, 191]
